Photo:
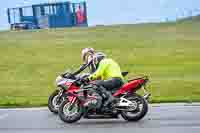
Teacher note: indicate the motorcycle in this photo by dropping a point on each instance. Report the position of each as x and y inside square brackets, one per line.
[61, 83]
[83, 100]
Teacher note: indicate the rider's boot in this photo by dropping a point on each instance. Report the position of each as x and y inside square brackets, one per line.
[110, 98]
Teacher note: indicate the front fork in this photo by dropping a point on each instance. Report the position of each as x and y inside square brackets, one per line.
[60, 95]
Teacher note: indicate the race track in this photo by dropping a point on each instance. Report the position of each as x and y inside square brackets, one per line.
[165, 118]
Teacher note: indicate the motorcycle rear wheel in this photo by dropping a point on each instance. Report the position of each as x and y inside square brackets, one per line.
[142, 112]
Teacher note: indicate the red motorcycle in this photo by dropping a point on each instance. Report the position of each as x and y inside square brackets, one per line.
[56, 97]
[83, 100]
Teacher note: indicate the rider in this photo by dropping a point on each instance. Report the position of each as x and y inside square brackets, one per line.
[108, 75]
[86, 55]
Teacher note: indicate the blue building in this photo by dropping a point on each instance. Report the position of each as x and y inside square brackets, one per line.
[48, 15]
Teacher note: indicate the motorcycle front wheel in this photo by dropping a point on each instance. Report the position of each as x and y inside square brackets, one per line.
[53, 103]
[137, 113]
[70, 113]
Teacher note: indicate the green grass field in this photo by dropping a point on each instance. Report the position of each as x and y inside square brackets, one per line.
[168, 52]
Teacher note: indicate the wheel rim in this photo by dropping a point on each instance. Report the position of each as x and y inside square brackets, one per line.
[55, 102]
[70, 113]
[135, 111]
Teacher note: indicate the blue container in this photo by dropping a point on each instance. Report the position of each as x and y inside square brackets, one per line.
[51, 15]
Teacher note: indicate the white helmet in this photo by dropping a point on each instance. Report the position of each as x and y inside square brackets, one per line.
[87, 54]
[98, 56]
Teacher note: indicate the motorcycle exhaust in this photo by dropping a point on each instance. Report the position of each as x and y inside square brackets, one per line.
[146, 93]
[147, 96]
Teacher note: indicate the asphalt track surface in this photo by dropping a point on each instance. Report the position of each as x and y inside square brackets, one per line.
[164, 118]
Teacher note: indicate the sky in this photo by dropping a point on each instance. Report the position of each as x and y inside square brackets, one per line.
[107, 12]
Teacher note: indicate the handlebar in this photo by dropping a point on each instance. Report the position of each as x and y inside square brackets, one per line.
[82, 80]
[68, 75]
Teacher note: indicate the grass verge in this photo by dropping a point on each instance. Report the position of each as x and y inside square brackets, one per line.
[168, 53]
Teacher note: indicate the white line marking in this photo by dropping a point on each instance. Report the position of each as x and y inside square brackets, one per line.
[3, 116]
[24, 109]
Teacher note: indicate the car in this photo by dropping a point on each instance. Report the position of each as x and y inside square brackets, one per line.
[24, 26]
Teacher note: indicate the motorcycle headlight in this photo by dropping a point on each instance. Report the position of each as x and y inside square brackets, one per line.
[58, 79]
